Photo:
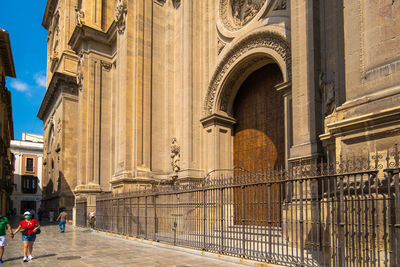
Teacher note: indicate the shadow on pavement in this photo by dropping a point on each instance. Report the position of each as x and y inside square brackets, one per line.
[37, 257]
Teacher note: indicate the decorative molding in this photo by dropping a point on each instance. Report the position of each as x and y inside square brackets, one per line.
[107, 66]
[120, 12]
[221, 45]
[253, 41]
[60, 83]
[237, 13]
[382, 70]
[218, 119]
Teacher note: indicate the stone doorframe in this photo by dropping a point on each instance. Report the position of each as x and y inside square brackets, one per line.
[246, 55]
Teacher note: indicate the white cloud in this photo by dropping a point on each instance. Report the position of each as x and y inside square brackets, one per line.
[40, 79]
[19, 86]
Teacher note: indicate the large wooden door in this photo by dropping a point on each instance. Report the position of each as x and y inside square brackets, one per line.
[259, 144]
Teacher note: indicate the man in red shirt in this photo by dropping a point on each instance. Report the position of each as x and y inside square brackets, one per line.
[30, 227]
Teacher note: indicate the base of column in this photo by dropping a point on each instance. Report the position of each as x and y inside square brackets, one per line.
[87, 189]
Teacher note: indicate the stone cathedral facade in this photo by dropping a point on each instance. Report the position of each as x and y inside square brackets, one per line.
[143, 92]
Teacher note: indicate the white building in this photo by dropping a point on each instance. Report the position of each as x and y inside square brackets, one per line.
[28, 154]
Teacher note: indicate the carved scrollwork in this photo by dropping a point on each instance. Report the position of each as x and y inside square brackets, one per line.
[120, 12]
[258, 40]
[221, 44]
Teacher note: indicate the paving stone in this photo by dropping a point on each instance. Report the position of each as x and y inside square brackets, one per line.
[53, 248]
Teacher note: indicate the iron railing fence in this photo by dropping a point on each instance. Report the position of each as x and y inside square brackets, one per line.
[81, 212]
[316, 214]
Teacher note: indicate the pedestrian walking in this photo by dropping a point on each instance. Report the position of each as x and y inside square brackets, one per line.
[3, 225]
[62, 219]
[51, 216]
[33, 213]
[29, 228]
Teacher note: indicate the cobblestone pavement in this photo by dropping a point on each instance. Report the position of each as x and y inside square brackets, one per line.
[78, 247]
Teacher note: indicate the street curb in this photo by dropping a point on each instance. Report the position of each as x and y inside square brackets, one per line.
[206, 254]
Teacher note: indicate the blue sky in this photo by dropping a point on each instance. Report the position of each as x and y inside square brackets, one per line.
[23, 21]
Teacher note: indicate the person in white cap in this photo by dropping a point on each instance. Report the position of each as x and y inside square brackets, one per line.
[30, 227]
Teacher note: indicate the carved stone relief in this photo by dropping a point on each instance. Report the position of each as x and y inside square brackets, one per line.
[79, 71]
[120, 12]
[175, 156]
[258, 40]
[237, 13]
[328, 94]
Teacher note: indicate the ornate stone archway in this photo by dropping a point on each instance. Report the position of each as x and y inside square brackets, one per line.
[245, 56]
[249, 53]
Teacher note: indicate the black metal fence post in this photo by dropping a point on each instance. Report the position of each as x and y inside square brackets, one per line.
[204, 216]
[301, 223]
[341, 224]
[155, 217]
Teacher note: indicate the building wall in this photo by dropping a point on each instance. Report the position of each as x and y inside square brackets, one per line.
[157, 81]
[30, 146]
[6, 121]
[367, 118]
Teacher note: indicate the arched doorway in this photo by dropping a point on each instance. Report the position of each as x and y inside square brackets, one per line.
[259, 142]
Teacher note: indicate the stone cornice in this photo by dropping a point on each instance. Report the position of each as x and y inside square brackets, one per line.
[48, 13]
[86, 33]
[360, 123]
[55, 88]
[6, 54]
[218, 119]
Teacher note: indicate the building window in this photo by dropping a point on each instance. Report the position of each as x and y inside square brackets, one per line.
[29, 184]
[30, 166]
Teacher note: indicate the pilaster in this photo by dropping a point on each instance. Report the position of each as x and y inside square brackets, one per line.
[306, 101]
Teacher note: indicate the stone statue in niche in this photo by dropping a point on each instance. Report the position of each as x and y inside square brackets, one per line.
[175, 156]
[80, 16]
[120, 11]
[79, 71]
[244, 10]
[328, 94]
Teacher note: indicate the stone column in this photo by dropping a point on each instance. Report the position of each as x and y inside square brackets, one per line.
[306, 102]
[89, 125]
